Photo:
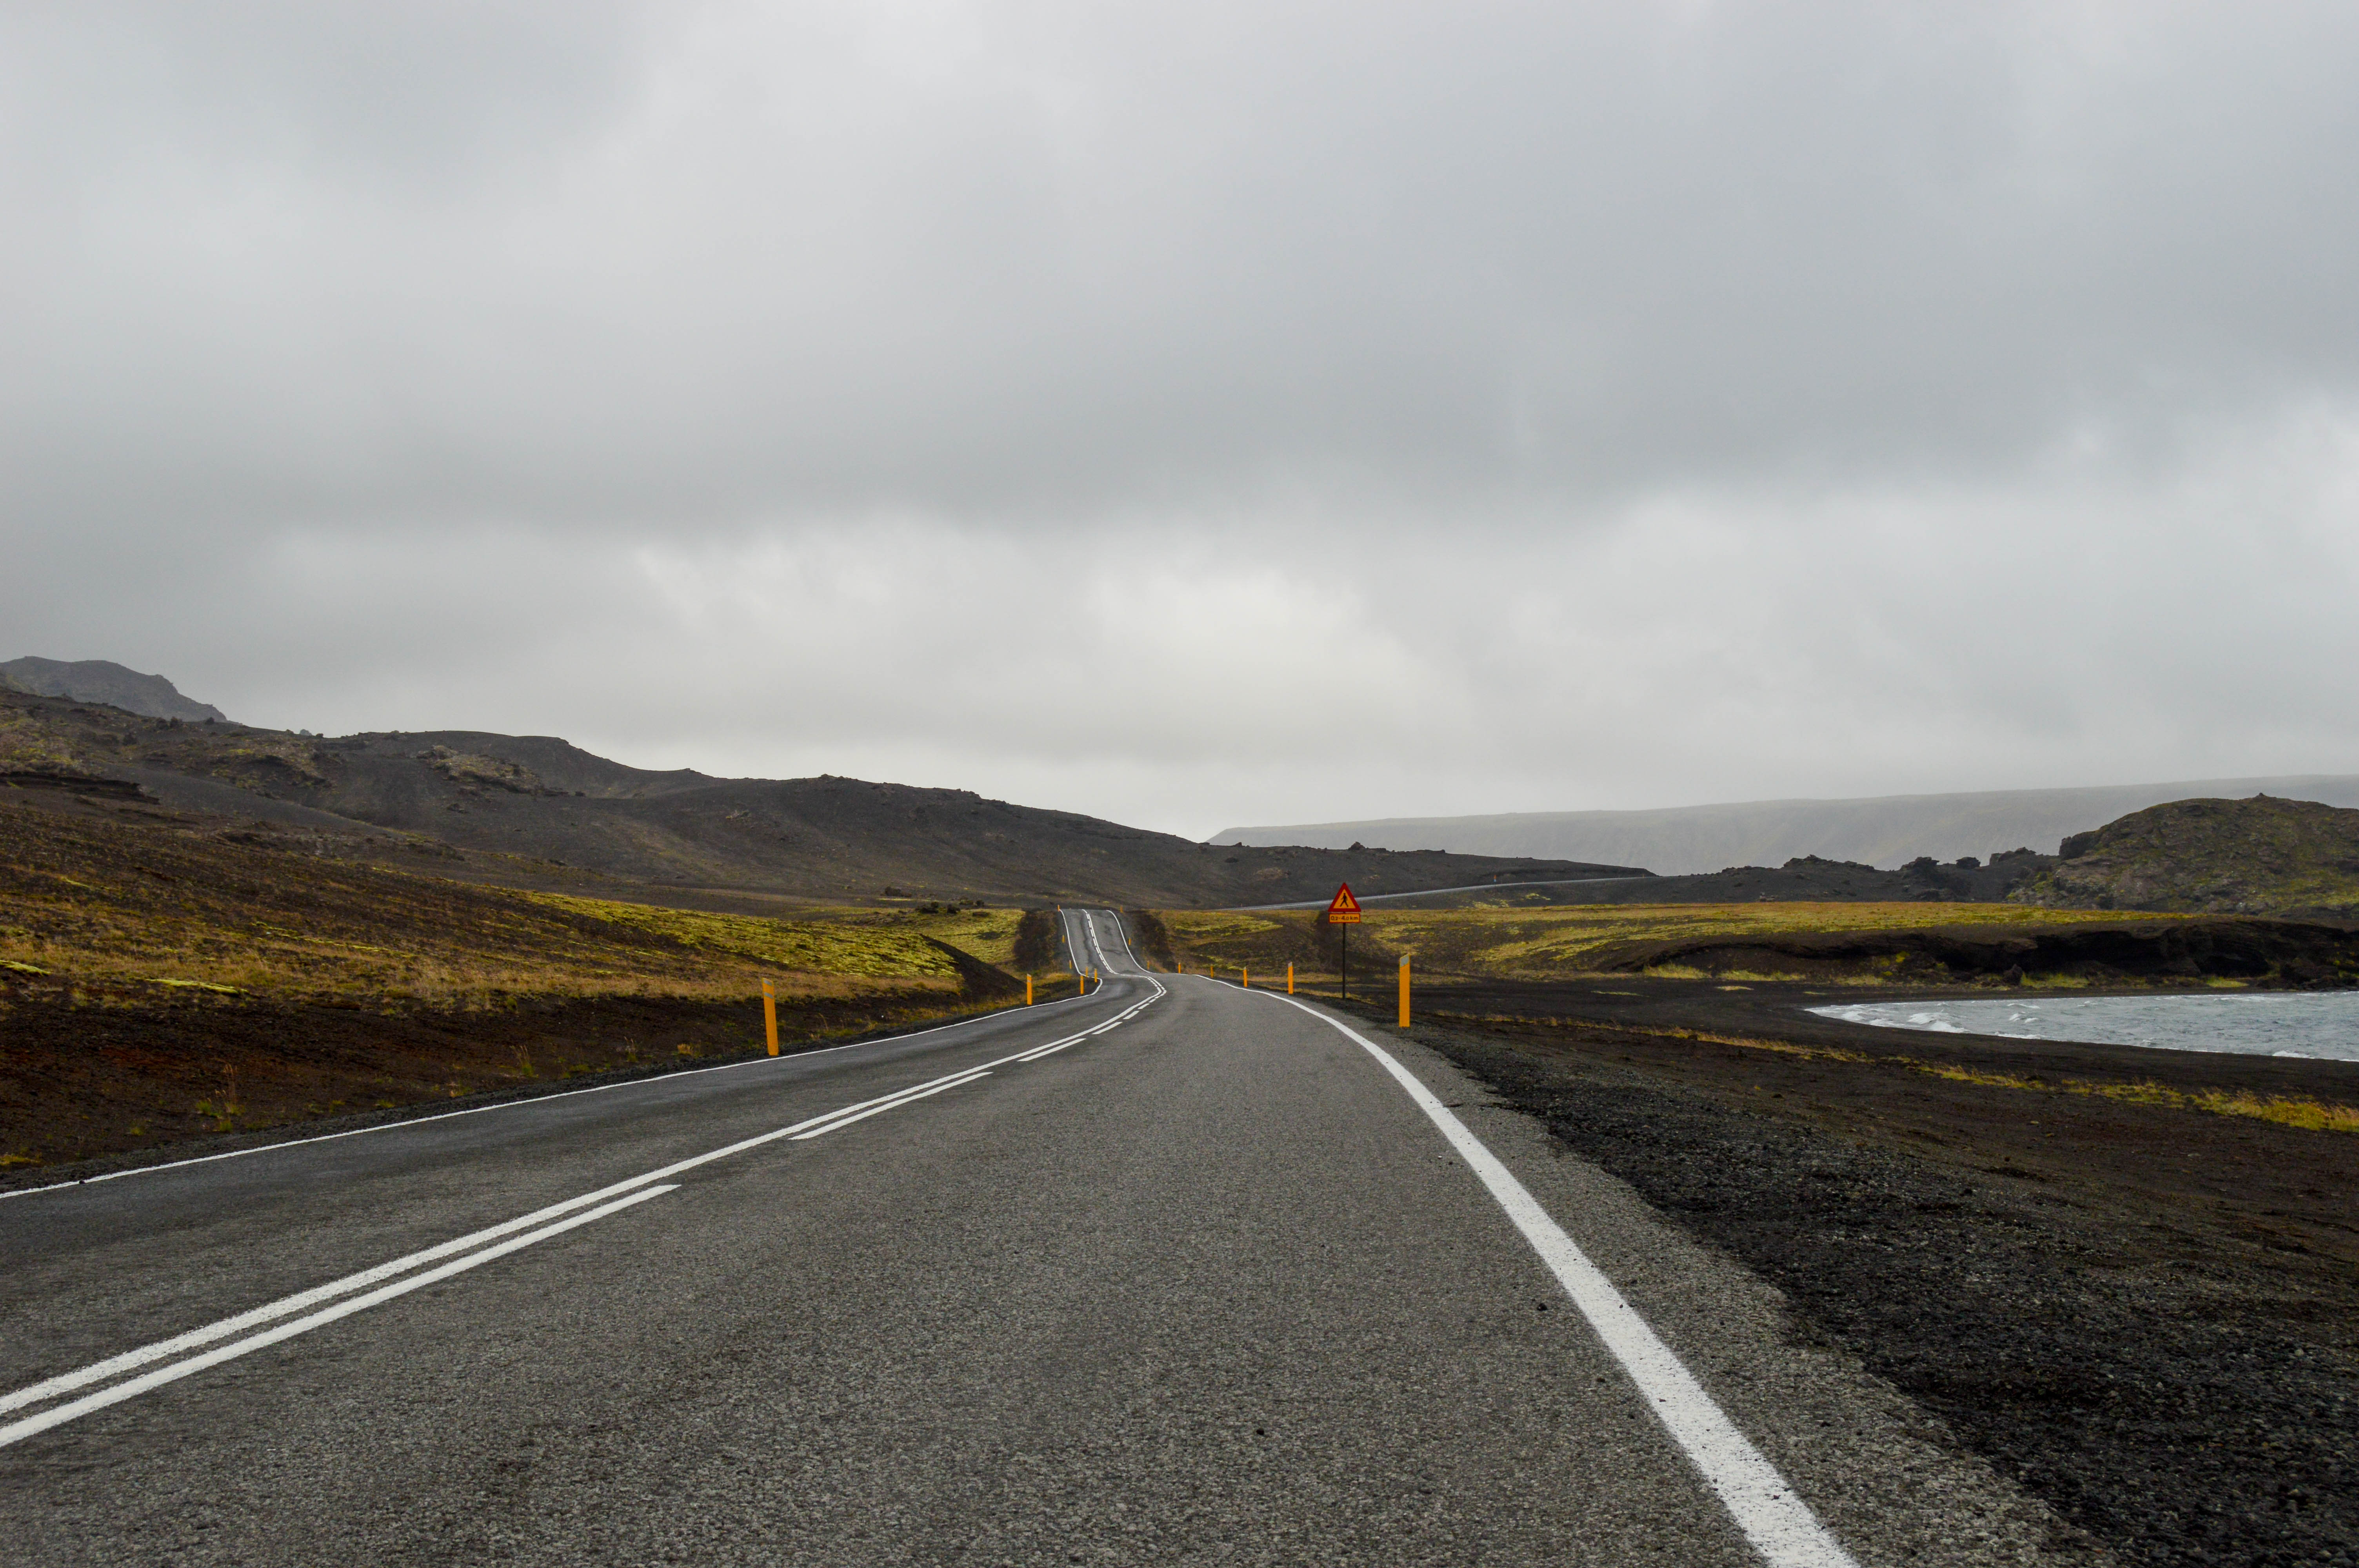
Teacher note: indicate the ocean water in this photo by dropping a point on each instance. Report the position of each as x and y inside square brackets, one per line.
[2256, 1023]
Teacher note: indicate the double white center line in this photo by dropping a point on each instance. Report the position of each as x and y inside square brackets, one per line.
[353, 1293]
[17, 1432]
[850, 1114]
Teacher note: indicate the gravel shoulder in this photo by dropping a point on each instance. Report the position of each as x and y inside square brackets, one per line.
[2144, 1313]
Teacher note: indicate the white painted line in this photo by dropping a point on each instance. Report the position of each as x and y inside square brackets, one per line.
[829, 1121]
[269, 1311]
[1123, 936]
[17, 1432]
[101, 1371]
[1054, 1045]
[891, 1105]
[1778, 1522]
[538, 1100]
[98, 1372]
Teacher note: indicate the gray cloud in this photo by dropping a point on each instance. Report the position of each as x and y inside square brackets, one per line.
[1547, 407]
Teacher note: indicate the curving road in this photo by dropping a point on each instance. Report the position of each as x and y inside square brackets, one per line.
[1167, 1273]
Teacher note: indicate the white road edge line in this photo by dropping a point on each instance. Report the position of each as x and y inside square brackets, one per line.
[826, 1122]
[17, 1432]
[530, 1100]
[1776, 1521]
[1124, 936]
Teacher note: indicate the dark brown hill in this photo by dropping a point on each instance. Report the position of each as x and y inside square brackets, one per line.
[510, 802]
[2261, 856]
[1805, 879]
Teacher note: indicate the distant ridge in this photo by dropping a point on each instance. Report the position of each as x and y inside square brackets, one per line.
[102, 681]
[532, 810]
[1886, 830]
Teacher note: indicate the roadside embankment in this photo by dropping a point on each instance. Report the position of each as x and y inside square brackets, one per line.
[160, 982]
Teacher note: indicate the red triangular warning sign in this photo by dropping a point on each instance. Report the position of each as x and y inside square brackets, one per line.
[1344, 909]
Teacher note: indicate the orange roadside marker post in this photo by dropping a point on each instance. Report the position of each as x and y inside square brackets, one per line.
[1403, 1022]
[1344, 909]
[1244, 977]
[770, 1015]
[1027, 990]
[1289, 979]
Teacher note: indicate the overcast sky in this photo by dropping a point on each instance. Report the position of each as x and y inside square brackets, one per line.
[1210, 414]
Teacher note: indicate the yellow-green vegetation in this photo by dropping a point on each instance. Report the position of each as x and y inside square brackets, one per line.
[298, 759]
[1568, 940]
[985, 933]
[856, 943]
[1218, 937]
[2261, 856]
[118, 914]
[2319, 1116]
[29, 745]
[1543, 944]
[42, 740]
[466, 768]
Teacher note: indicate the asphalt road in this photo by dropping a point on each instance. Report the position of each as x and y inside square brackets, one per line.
[1169, 1273]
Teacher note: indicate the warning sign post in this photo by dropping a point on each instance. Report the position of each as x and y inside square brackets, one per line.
[1343, 911]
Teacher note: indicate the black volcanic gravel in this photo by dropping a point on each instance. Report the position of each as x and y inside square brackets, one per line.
[2162, 1407]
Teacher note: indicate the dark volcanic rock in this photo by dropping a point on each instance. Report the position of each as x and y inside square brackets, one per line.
[1815, 879]
[2294, 954]
[2261, 856]
[2182, 1408]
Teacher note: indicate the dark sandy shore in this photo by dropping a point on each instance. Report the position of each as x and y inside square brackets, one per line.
[2146, 1311]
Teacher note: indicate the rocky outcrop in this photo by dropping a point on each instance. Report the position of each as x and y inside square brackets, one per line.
[474, 773]
[2261, 856]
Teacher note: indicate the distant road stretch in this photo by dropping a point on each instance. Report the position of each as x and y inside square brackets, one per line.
[1169, 1273]
[1428, 893]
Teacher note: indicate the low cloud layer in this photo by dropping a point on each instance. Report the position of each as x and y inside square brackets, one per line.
[1248, 414]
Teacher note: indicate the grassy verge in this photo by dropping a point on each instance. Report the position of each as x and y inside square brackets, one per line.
[158, 984]
[2286, 1111]
[104, 913]
[1837, 943]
